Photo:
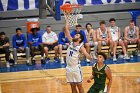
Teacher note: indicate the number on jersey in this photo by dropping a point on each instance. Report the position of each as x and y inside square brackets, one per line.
[70, 54]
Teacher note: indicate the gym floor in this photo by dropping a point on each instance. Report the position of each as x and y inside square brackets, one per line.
[50, 78]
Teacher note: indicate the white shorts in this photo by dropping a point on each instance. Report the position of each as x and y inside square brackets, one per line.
[104, 43]
[74, 74]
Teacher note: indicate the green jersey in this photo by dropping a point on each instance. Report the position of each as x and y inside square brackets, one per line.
[99, 79]
[99, 74]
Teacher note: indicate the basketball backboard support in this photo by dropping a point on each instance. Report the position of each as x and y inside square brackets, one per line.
[53, 7]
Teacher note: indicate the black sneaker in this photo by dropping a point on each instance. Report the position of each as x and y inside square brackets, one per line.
[43, 61]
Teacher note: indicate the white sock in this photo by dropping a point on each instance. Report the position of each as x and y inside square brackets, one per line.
[42, 57]
[125, 54]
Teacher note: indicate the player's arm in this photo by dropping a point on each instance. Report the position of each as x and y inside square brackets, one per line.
[137, 32]
[119, 33]
[109, 34]
[92, 76]
[67, 31]
[109, 76]
[126, 34]
[93, 34]
[88, 37]
[83, 50]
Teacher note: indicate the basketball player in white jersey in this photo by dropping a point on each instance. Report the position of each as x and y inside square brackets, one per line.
[116, 39]
[103, 35]
[73, 68]
[91, 38]
[131, 35]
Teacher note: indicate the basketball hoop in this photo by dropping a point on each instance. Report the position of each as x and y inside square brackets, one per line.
[71, 11]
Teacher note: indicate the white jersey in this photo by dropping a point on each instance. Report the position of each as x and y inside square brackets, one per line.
[103, 35]
[114, 33]
[132, 32]
[72, 58]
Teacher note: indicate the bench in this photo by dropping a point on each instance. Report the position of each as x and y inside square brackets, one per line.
[51, 54]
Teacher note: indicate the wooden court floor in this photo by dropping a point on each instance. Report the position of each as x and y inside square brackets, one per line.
[53, 81]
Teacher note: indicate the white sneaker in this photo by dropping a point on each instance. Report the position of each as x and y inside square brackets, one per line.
[7, 64]
[114, 58]
[126, 57]
[87, 60]
[62, 60]
[121, 56]
[131, 56]
[138, 53]
[27, 61]
[16, 63]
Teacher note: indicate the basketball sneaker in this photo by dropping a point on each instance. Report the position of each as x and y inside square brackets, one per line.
[114, 58]
[62, 60]
[42, 61]
[88, 60]
[56, 59]
[126, 57]
[7, 64]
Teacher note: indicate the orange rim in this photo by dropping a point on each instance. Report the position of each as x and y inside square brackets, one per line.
[69, 7]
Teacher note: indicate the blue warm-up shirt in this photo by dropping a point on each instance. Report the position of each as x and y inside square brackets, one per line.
[74, 32]
[36, 39]
[19, 41]
[62, 39]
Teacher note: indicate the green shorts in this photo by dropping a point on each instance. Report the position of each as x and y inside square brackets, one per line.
[97, 88]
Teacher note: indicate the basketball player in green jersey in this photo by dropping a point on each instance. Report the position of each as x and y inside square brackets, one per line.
[100, 73]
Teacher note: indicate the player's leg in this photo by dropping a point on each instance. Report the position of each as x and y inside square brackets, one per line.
[80, 87]
[42, 53]
[46, 50]
[56, 49]
[7, 55]
[114, 50]
[95, 44]
[73, 88]
[32, 48]
[27, 51]
[92, 89]
[99, 46]
[111, 46]
[60, 46]
[87, 45]
[70, 77]
[126, 44]
[60, 49]
[15, 55]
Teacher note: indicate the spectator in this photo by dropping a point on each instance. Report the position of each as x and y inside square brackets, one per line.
[4, 47]
[50, 42]
[91, 38]
[63, 43]
[116, 39]
[103, 35]
[131, 35]
[20, 45]
[78, 30]
[35, 43]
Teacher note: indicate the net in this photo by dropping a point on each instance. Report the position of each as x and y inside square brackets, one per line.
[71, 12]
